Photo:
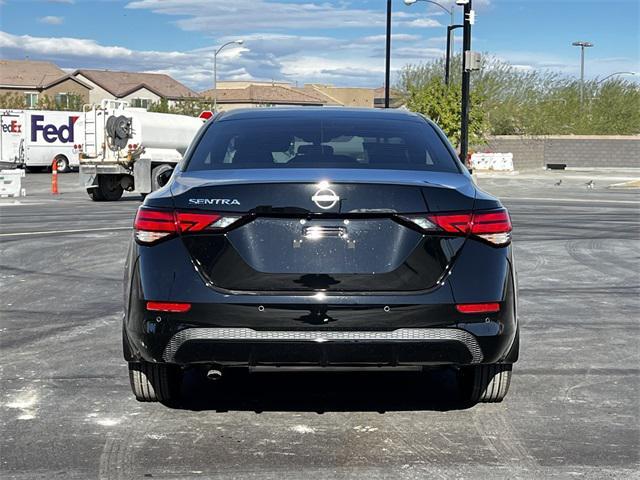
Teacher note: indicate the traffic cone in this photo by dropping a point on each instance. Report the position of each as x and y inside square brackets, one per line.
[54, 177]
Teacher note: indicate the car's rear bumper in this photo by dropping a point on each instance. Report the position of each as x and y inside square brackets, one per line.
[244, 346]
[405, 328]
[325, 335]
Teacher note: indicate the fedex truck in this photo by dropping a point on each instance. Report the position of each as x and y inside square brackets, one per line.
[34, 138]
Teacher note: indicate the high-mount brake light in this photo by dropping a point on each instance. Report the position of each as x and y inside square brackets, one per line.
[152, 225]
[478, 307]
[493, 226]
[172, 307]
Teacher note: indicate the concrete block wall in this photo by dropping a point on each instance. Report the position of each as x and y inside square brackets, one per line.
[574, 150]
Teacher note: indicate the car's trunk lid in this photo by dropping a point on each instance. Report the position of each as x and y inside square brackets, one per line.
[309, 230]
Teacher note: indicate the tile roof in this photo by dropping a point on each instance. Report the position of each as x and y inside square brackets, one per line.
[29, 73]
[265, 94]
[121, 84]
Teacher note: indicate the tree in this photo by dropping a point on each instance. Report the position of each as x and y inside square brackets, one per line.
[514, 101]
[442, 104]
[17, 101]
[191, 108]
[13, 101]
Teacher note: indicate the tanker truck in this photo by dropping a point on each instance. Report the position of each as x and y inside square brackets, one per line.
[130, 149]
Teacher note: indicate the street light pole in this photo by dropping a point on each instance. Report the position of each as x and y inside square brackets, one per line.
[466, 84]
[582, 46]
[387, 70]
[451, 13]
[215, 71]
[447, 65]
[614, 74]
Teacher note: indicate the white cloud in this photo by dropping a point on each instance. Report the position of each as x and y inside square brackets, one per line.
[398, 37]
[51, 20]
[79, 48]
[248, 15]
[422, 23]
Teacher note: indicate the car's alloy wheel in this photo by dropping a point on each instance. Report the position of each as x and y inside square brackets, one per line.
[485, 383]
[153, 382]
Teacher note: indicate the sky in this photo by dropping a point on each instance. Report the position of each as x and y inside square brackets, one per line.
[338, 42]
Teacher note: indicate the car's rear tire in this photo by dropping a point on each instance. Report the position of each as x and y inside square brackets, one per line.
[154, 382]
[485, 383]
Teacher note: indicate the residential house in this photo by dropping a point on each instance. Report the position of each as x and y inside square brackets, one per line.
[261, 95]
[139, 89]
[396, 99]
[342, 96]
[35, 80]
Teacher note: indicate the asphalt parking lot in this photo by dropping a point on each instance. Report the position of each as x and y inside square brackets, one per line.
[573, 410]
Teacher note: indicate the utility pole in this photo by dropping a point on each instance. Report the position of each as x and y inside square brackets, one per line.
[466, 84]
[387, 72]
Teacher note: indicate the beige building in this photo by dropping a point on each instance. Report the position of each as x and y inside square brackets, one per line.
[139, 89]
[395, 98]
[343, 96]
[35, 80]
[247, 93]
[238, 84]
[261, 94]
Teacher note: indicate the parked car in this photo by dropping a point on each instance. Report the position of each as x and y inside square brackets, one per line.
[319, 237]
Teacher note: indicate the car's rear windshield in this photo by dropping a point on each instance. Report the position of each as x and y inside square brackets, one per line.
[289, 142]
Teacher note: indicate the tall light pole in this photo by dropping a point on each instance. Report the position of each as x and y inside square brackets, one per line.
[466, 79]
[215, 71]
[387, 66]
[582, 46]
[450, 28]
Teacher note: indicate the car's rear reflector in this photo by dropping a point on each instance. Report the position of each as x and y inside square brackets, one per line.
[168, 307]
[478, 307]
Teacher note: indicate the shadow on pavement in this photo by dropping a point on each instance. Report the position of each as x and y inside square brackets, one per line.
[322, 391]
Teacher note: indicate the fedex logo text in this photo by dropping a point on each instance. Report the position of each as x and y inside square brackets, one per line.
[51, 133]
[12, 127]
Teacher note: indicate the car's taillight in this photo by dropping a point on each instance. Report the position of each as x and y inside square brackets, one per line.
[493, 226]
[152, 225]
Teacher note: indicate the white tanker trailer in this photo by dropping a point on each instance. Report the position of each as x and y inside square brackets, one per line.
[130, 149]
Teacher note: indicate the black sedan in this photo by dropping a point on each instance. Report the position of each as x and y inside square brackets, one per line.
[310, 238]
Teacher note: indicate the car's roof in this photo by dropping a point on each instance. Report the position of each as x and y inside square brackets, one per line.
[319, 112]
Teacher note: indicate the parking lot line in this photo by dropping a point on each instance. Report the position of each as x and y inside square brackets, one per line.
[50, 232]
[575, 200]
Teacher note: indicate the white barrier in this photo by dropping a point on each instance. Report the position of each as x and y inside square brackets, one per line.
[11, 182]
[492, 161]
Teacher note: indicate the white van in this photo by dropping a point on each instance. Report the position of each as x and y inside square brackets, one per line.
[36, 137]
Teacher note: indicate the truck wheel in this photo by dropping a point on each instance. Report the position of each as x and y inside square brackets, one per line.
[159, 176]
[62, 163]
[95, 194]
[485, 383]
[154, 382]
[109, 187]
